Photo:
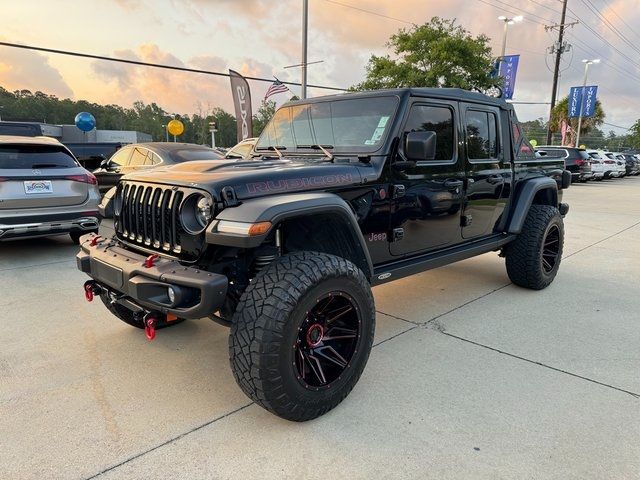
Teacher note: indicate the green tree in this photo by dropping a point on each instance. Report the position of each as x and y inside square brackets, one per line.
[634, 134]
[438, 53]
[265, 112]
[560, 113]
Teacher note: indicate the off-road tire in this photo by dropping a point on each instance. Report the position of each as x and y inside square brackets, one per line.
[127, 315]
[524, 257]
[266, 325]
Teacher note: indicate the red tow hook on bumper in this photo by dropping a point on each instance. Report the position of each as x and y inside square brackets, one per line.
[150, 322]
[91, 288]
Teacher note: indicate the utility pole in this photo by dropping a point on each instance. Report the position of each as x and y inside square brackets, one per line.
[559, 52]
[305, 22]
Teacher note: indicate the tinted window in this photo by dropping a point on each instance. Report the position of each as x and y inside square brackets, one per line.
[35, 156]
[555, 152]
[138, 157]
[482, 139]
[22, 130]
[427, 118]
[121, 157]
[153, 159]
[196, 154]
[595, 155]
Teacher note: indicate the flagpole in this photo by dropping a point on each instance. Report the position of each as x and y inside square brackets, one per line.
[305, 21]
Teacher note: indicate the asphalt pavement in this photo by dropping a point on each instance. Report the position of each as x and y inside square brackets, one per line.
[470, 376]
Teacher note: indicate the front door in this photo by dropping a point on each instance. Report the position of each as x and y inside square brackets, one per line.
[487, 169]
[427, 197]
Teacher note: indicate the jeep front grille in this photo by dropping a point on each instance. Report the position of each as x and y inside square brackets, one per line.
[149, 216]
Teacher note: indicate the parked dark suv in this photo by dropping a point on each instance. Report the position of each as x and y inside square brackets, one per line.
[576, 160]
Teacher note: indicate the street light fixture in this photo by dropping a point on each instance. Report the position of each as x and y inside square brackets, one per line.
[587, 63]
[507, 21]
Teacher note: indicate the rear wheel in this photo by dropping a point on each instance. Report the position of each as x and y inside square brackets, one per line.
[302, 333]
[533, 258]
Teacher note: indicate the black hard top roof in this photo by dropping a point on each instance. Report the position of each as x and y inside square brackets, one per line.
[440, 93]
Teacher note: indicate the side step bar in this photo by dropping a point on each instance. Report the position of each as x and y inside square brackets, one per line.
[412, 265]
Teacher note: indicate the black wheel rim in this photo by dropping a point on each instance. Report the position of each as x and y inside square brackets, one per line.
[327, 340]
[551, 249]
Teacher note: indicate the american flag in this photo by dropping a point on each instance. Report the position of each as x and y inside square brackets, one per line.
[276, 87]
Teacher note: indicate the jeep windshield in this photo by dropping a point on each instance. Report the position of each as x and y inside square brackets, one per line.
[349, 125]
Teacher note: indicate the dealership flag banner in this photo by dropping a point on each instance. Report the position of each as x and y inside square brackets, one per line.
[242, 103]
[585, 101]
[508, 70]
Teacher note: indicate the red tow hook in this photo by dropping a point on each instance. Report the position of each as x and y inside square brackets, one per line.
[91, 289]
[95, 240]
[150, 260]
[150, 326]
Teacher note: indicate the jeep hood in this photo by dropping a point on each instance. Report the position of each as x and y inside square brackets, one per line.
[257, 177]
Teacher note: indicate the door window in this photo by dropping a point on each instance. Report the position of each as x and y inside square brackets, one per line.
[482, 136]
[121, 157]
[138, 157]
[429, 118]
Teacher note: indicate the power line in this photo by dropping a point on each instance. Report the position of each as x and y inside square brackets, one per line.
[148, 64]
[371, 12]
[608, 24]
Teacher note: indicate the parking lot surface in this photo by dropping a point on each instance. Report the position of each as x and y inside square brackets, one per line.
[470, 377]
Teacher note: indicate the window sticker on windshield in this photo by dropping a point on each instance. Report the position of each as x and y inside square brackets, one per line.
[377, 135]
[383, 122]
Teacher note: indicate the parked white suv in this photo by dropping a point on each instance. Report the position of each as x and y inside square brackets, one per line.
[610, 164]
[621, 163]
[44, 190]
[597, 165]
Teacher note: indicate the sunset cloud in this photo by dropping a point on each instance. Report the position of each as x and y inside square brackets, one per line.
[260, 37]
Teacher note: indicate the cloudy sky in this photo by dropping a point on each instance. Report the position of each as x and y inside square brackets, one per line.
[260, 37]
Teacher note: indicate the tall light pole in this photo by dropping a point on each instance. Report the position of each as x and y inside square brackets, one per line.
[305, 22]
[584, 88]
[507, 21]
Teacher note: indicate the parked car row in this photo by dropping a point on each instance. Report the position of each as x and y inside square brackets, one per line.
[586, 165]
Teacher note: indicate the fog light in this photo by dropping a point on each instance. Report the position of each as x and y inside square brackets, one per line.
[172, 294]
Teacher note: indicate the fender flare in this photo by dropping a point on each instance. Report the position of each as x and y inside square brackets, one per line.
[277, 208]
[526, 192]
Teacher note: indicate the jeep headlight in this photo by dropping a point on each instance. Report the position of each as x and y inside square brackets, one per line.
[196, 213]
[204, 208]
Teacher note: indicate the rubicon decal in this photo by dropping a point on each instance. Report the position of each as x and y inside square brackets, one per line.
[299, 183]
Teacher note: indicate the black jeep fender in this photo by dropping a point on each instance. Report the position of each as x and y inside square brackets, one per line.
[539, 190]
[280, 208]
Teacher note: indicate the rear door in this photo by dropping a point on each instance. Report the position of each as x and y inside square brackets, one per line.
[33, 176]
[487, 169]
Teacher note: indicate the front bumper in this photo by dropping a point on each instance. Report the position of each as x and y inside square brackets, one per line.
[124, 274]
[48, 225]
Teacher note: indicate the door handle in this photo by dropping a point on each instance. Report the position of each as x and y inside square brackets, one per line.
[452, 184]
[495, 179]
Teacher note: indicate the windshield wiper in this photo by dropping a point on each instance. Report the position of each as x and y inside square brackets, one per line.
[272, 148]
[320, 147]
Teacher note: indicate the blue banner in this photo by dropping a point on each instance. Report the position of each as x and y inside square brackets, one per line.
[582, 102]
[508, 70]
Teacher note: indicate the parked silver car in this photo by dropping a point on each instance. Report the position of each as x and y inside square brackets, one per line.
[44, 190]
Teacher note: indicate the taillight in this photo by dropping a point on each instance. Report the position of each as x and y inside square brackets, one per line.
[89, 178]
[580, 162]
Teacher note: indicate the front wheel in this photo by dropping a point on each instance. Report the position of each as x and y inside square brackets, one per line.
[302, 333]
[533, 258]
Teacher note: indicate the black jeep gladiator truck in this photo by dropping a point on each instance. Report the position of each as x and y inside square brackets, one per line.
[344, 193]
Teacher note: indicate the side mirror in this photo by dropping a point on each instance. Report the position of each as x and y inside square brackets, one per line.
[104, 163]
[420, 146]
